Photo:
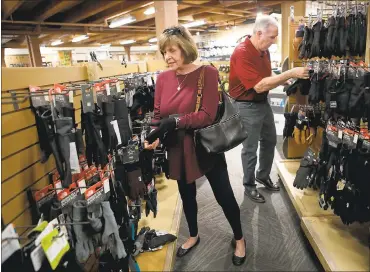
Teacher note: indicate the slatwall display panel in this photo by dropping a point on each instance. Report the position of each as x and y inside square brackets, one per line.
[22, 168]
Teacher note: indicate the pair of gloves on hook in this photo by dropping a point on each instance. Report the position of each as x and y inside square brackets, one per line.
[163, 127]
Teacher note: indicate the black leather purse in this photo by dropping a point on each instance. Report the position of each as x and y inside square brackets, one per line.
[227, 131]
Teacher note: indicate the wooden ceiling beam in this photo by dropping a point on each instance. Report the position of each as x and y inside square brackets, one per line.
[53, 7]
[225, 13]
[9, 7]
[74, 31]
[212, 7]
[90, 8]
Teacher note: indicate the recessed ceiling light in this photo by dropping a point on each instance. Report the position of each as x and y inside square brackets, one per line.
[127, 42]
[80, 38]
[194, 24]
[122, 21]
[105, 45]
[55, 43]
[153, 40]
[149, 11]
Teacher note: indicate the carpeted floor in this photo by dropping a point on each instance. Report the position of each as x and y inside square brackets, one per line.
[275, 241]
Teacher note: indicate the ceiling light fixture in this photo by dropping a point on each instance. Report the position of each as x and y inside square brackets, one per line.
[128, 42]
[149, 11]
[153, 40]
[194, 24]
[122, 21]
[105, 45]
[80, 38]
[55, 43]
[198, 33]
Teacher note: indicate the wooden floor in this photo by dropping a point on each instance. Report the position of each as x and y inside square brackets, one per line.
[168, 219]
[339, 247]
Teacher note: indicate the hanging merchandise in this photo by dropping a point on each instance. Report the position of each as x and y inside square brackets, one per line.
[342, 33]
[94, 201]
[337, 163]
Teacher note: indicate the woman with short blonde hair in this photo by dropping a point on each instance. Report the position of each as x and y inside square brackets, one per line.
[175, 121]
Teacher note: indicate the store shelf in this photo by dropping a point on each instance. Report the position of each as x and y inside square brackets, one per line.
[305, 201]
[168, 219]
[339, 247]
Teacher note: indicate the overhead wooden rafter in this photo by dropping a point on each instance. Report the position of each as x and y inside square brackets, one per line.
[9, 7]
[54, 7]
[89, 8]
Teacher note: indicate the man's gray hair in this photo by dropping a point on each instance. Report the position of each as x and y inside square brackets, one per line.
[263, 22]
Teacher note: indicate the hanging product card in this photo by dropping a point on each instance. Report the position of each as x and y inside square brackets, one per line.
[129, 154]
[37, 258]
[73, 158]
[44, 195]
[55, 246]
[69, 195]
[332, 135]
[70, 96]
[9, 246]
[118, 87]
[95, 194]
[60, 97]
[348, 139]
[40, 99]
[107, 88]
[101, 94]
[82, 184]
[87, 98]
[49, 228]
[116, 130]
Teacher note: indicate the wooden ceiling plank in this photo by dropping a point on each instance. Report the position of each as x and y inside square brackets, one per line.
[9, 7]
[54, 7]
[212, 7]
[90, 8]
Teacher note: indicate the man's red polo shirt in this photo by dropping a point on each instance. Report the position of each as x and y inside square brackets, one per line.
[248, 66]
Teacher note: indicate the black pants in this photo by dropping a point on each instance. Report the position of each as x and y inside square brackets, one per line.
[218, 178]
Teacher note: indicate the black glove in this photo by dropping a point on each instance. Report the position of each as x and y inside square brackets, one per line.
[290, 121]
[315, 47]
[151, 203]
[136, 185]
[165, 126]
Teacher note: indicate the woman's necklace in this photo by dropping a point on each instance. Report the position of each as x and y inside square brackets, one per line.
[179, 84]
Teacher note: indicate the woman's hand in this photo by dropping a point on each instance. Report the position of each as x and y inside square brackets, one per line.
[151, 146]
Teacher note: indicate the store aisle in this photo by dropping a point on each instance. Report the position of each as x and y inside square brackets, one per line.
[275, 241]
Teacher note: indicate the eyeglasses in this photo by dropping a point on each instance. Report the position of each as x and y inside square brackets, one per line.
[172, 31]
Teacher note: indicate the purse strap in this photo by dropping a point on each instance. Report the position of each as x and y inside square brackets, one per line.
[200, 90]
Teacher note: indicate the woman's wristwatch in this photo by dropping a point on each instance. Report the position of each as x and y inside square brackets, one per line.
[177, 119]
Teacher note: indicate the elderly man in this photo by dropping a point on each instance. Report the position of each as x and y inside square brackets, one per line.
[250, 80]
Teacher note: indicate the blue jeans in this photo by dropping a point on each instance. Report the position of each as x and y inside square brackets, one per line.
[258, 120]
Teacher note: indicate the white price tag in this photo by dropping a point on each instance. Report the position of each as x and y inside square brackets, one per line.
[8, 247]
[58, 186]
[82, 183]
[73, 158]
[355, 138]
[70, 95]
[118, 87]
[37, 257]
[340, 134]
[116, 130]
[106, 185]
[107, 88]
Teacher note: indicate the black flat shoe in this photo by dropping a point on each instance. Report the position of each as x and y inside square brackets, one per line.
[181, 252]
[238, 261]
[269, 184]
[254, 195]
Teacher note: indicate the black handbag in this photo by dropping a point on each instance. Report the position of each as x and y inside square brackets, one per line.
[227, 131]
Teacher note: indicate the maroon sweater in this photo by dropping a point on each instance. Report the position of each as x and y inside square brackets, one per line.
[183, 161]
